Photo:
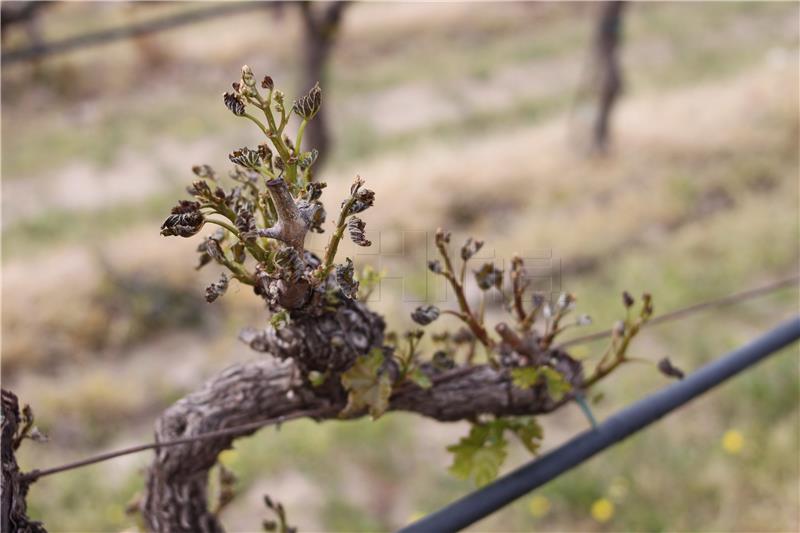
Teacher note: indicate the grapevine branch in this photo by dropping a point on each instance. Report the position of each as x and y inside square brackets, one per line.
[436, 379]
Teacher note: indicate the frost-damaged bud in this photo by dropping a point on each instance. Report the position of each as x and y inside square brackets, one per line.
[314, 190]
[185, 220]
[234, 103]
[538, 300]
[358, 182]
[463, 336]
[308, 158]
[442, 237]
[217, 289]
[344, 278]
[291, 264]
[267, 83]
[425, 314]
[204, 171]
[647, 305]
[214, 250]
[313, 214]
[435, 266]
[245, 157]
[356, 229]
[245, 221]
[202, 248]
[443, 361]
[307, 106]
[199, 188]
[627, 299]
[365, 199]
[470, 248]
[265, 153]
[665, 367]
[489, 276]
[565, 302]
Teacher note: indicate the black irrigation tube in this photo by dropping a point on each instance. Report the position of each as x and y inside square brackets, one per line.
[503, 491]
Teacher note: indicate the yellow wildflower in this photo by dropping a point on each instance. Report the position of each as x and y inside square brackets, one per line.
[732, 441]
[602, 510]
[539, 506]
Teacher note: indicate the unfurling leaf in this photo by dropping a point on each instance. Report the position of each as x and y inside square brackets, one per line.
[317, 378]
[367, 386]
[470, 248]
[344, 277]
[420, 378]
[528, 431]
[204, 171]
[666, 367]
[234, 103]
[425, 314]
[290, 263]
[489, 276]
[355, 227]
[280, 319]
[365, 199]
[217, 289]
[435, 266]
[479, 455]
[307, 106]
[627, 299]
[443, 360]
[314, 190]
[186, 220]
[245, 157]
[527, 377]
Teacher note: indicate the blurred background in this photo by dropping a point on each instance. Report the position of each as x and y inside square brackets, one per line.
[487, 119]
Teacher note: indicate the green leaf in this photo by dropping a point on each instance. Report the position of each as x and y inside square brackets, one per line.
[367, 386]
[479, 455]
[420, 378]
[280, 319]
[528, 431]
[317, 378]
[527, 377]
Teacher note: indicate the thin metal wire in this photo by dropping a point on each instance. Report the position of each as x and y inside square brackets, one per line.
[503, 491]
[673, 315]
[695, 308]
[234, 430]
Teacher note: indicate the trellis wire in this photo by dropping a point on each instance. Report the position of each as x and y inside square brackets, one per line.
[672, 315]
[505, 490]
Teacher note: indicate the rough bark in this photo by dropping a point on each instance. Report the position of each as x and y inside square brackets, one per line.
[264, 389]
[321, 24]
[13, 512]
[607, 70]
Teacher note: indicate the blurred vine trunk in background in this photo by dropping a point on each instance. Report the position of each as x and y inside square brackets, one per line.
[607, 78]
[321, 25]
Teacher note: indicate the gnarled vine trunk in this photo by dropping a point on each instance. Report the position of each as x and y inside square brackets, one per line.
[268, 388]
[14, 510]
